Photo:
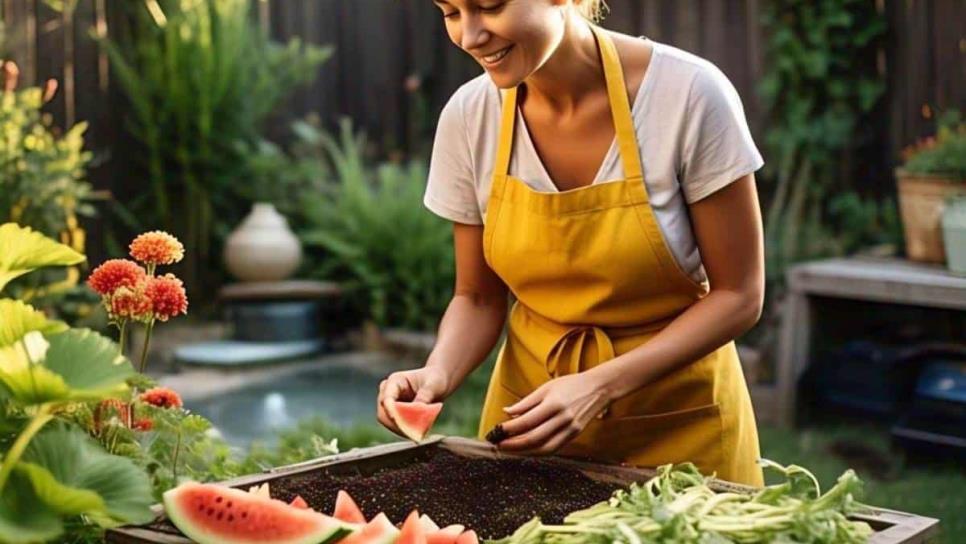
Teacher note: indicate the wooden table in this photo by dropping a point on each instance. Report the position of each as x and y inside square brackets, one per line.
[887, 280]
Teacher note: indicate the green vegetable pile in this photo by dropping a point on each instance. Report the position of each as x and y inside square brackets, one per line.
[678, 506]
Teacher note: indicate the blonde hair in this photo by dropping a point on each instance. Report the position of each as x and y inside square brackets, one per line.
[592, 10]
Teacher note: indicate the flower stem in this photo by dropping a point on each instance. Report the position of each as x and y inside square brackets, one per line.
[13, 456]
[174, 460]
[120, 337]
[144, 348]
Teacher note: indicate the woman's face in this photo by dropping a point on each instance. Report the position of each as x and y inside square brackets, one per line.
[510, 39]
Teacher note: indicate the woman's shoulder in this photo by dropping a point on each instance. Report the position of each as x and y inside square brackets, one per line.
[683, 70]
[473, 95]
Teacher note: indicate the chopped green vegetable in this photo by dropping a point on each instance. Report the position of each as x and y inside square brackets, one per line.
[678, 506]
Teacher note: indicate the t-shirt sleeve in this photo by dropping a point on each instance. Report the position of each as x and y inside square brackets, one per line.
[718, 147]
[451, 188]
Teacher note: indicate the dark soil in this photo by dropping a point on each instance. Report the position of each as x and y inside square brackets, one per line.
[491, 496]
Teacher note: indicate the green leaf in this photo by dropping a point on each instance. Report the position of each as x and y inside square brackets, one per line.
[23, 250]
[65, 500]
[80, 365]
[89, 363]
[18, 318]
[75, 469]
[24, 518]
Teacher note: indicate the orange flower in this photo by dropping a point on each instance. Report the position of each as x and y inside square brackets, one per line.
[115, 273]
[143, 424]
[167, 296]
[108, 406]
[157, 247]
[130, 303]
[162, 397]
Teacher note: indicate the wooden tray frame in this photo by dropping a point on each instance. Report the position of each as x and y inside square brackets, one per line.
[892, 527]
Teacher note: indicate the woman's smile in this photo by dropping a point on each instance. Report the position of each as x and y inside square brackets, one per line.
[495, 59]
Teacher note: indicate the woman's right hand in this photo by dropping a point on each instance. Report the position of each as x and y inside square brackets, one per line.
[421, 385]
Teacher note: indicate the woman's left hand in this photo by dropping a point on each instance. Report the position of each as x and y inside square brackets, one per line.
[553, 414]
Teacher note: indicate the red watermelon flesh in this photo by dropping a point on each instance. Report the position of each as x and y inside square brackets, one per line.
[378, 531]
[214, 514]
[414, 419]
[412, 530]
[446, 535]
[346, 509]
[469, 537]
[299, 502]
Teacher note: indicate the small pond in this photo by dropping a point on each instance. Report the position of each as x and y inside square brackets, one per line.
[340, 394]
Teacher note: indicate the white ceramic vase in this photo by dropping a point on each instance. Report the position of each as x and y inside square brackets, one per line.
[262, 247]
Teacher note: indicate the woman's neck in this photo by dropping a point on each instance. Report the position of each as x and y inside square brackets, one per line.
[572, 72]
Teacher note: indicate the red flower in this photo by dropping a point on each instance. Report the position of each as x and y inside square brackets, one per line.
[130, 303]
[162, 397]
[157, 247]
[167, 296]
[143, 424]
[115, 273]
[106, 406]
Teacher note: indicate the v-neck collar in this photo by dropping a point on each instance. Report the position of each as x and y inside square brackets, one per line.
[611, 154]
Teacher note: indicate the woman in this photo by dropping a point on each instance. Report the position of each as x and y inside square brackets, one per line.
[607, 181]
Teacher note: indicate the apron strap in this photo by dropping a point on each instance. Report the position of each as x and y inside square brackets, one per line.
[619, 106]
[505, 144]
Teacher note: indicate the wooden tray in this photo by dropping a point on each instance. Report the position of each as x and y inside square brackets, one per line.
[891, 527]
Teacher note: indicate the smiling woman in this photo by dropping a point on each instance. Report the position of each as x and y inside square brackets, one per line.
[607, 181]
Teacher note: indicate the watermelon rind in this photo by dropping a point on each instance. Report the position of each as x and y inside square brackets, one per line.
[378, 531]
[322, 529]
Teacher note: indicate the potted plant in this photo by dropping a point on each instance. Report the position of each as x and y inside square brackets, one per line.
[932, 173]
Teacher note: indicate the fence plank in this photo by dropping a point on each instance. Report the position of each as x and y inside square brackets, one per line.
[379, 44]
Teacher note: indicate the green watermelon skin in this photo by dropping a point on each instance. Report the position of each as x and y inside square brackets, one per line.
[214, 514]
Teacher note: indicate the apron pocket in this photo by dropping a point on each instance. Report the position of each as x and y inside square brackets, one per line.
[691, 434]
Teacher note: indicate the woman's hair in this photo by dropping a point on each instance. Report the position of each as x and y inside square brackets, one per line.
[592, 10]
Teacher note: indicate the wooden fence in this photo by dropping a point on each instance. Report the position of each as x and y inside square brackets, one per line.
[382, 43]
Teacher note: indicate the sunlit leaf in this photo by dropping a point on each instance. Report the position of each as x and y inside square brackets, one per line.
[18, 318]
[80, 365]
[23, 250]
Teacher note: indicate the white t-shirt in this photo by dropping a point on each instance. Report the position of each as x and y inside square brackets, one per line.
[691, 131]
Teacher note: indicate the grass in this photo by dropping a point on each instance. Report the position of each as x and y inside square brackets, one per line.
[934, 490]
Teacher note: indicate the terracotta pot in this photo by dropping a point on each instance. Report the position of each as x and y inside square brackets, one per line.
[263, 248]
[922, 199]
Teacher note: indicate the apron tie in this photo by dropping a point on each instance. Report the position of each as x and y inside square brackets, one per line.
[567, 353]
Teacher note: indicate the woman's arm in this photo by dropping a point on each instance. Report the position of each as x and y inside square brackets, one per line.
[467, 333]
[475, 317]
[727, 226]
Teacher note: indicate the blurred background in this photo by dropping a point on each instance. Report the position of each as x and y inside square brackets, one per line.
[286, 143]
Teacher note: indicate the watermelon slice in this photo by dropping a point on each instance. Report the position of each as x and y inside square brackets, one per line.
[214, 514]
[414, 419]
[446, 535]
[412, 530]
[469, 537]
[428, 524]
[261, 490]
[378, 531]
[346, 509]
[299, 502]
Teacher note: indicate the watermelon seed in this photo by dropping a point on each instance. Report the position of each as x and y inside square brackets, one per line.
[244, 514]
[217, 499]
[220, 515]
[211, 511]
[231, 517]
[228, 504]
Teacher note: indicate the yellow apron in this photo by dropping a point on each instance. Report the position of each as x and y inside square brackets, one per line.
[593, 279]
